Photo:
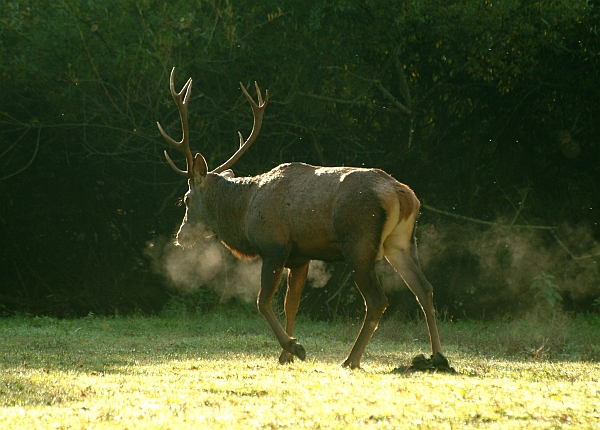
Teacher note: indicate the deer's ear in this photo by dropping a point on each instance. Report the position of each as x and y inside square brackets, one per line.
[200, 168]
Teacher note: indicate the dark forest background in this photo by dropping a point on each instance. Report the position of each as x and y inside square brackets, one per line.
[489, 110]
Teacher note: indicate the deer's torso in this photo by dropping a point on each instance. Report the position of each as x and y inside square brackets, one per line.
[309, 210]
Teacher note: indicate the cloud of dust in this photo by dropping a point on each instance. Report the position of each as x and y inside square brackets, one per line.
[502, 263]
[206, 264]
[509, 258]
[318, 274]
[209, 264]
[245, 282]
[389, 279]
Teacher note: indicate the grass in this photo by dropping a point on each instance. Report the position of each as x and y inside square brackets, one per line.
[221, 371]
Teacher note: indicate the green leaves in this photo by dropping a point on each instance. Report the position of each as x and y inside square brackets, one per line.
[547, 296]
[460, 99]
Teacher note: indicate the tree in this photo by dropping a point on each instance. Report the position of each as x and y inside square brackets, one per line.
[484, 108]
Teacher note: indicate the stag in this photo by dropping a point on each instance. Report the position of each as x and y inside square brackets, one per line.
[296, 213]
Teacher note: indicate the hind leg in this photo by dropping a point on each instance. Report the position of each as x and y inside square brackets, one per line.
[404, 259]
[375, 302]
[358, 223]
[295, 284]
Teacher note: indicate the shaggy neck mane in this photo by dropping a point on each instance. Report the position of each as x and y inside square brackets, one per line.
[227, 200]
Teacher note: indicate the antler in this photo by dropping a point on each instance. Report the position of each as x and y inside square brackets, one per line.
[181, 99]
[258, 112]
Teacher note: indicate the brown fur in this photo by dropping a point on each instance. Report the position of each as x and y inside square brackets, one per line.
[296, 213]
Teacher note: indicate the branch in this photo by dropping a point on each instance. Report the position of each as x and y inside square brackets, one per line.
[356, 102]
[403, 83]
[391, 97]
[495, 224]
[37, 146]
[334, 100]
[560, 242]
[403, 108]
[490, 223]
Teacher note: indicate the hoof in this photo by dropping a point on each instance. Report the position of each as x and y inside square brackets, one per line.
[286, 357]
[299, 351]
[439, 360]
[350, 364]
[291, 349]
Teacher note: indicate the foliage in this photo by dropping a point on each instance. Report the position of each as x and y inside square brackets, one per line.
[470, 102]
[547, 295]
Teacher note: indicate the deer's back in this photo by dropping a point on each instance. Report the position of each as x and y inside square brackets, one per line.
[314, 210]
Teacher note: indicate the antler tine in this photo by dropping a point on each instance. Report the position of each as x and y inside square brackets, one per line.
[258, 111]
[260, 100]
[181, 100]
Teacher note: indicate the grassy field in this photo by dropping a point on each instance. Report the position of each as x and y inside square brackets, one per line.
[221, 371]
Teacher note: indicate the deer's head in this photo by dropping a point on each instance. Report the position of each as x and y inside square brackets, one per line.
[194, 225]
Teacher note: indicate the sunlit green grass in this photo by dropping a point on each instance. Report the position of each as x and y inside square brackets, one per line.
[221, 371]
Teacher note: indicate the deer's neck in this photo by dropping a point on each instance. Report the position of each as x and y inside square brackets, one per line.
[228, 201]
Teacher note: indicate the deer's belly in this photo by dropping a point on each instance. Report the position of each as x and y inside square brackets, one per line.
[315, 249]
